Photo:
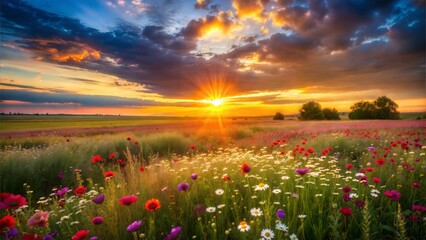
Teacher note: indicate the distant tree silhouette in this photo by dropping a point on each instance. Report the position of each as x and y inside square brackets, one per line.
[311, 111]
[330, 114]
[278, 116]
[386, 108]
[382, 108]
[362, 110]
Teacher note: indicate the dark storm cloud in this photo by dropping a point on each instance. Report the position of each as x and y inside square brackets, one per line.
[145, 55]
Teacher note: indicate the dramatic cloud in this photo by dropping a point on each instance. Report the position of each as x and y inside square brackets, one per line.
[170, 49]
[222, 22]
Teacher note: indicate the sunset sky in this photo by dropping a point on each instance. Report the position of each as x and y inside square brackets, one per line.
[183, 57]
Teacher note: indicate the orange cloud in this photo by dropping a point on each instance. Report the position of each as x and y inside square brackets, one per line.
[202, 27]
[61, 51]
[253, 9]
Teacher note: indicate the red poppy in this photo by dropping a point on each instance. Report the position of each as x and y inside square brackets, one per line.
[349, 166]
[79, 191]
[192, 147]
[128, 200]
[346, 197]
[12, 201]
[112, 155]
[226, 178]
[96, 159]
[369, 169]
[129, 138]
[152, 205]
[380, 161]
[141, 168]
[346, 211]
[81, 234]
[7, 222]
[245, 168]
[109, 174]
[136, 142]
[376, 180]
[416, 185]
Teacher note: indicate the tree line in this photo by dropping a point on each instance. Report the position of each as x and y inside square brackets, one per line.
[382, 108]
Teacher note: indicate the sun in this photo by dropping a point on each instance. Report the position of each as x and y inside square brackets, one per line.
[217, 102]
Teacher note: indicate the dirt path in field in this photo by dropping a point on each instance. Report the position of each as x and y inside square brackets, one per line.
[225, 125]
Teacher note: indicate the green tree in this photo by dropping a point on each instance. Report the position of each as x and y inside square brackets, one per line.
[311, 111]
[386, 108]
[363, 110]
[331, 114]
[278, 116]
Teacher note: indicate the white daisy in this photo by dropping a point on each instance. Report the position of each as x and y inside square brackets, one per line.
[261, 187]
[211, 209]
[219, 191]
[293, 237]
[301, 216]
[267, 234]
[282, 227]
[221, 206]
[256, 212]
[243, 227]
[353, 195]
[276, 191]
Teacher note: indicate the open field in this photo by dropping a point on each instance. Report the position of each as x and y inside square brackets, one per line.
[238, 179]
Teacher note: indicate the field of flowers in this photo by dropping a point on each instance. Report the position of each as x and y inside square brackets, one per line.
[361, 183]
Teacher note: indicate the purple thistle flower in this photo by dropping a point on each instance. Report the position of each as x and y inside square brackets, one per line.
[62, 192]
[280, 214]
[174, 233]
[183, 187]
[194, 176]
[134, 226]
[302, 171]
[97, 220]
[12, 232]
[99, 199]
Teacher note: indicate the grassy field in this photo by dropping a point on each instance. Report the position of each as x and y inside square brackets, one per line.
[249, 180]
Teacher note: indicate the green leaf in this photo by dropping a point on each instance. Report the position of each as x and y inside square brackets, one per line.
[387, 227]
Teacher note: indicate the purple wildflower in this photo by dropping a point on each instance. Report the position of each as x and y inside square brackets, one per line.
[194, 176]
[99, 199]
[183, 187]
[174, 233]
[62, 192]
[302, 171]
[134, 226]
[280, 214]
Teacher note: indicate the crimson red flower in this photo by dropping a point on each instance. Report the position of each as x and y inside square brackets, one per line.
[226, 178]
[349, 166]
[346, 197]
[96, 159]
[128, 200]
[31, 236]
[393, 194]
[359, 203]
[346, 211]
[129, 138]
[347, 189]
[141, 168]
[192, 147]
[136, 142]
[369, 169]
[7, 222]
[112, 155]
[81, 234]
[376, 180]
[245, 168]
[416, 185]
[380, 161]
[12, 201]
[79, 191]
[152, 205]
[109, 174]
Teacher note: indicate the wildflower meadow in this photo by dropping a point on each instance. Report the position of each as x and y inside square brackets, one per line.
[342, 183]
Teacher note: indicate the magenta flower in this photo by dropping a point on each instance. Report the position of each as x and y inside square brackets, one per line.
[359, 203]
[393, 194]
[97, 220]
[134, 226]
[39, 219]
[194, 176]
[183, 187]
[302, 171]
[128, 200]
[61, 192]
[99, 199]
[419, 208]
[174, 233]
[280, 214]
